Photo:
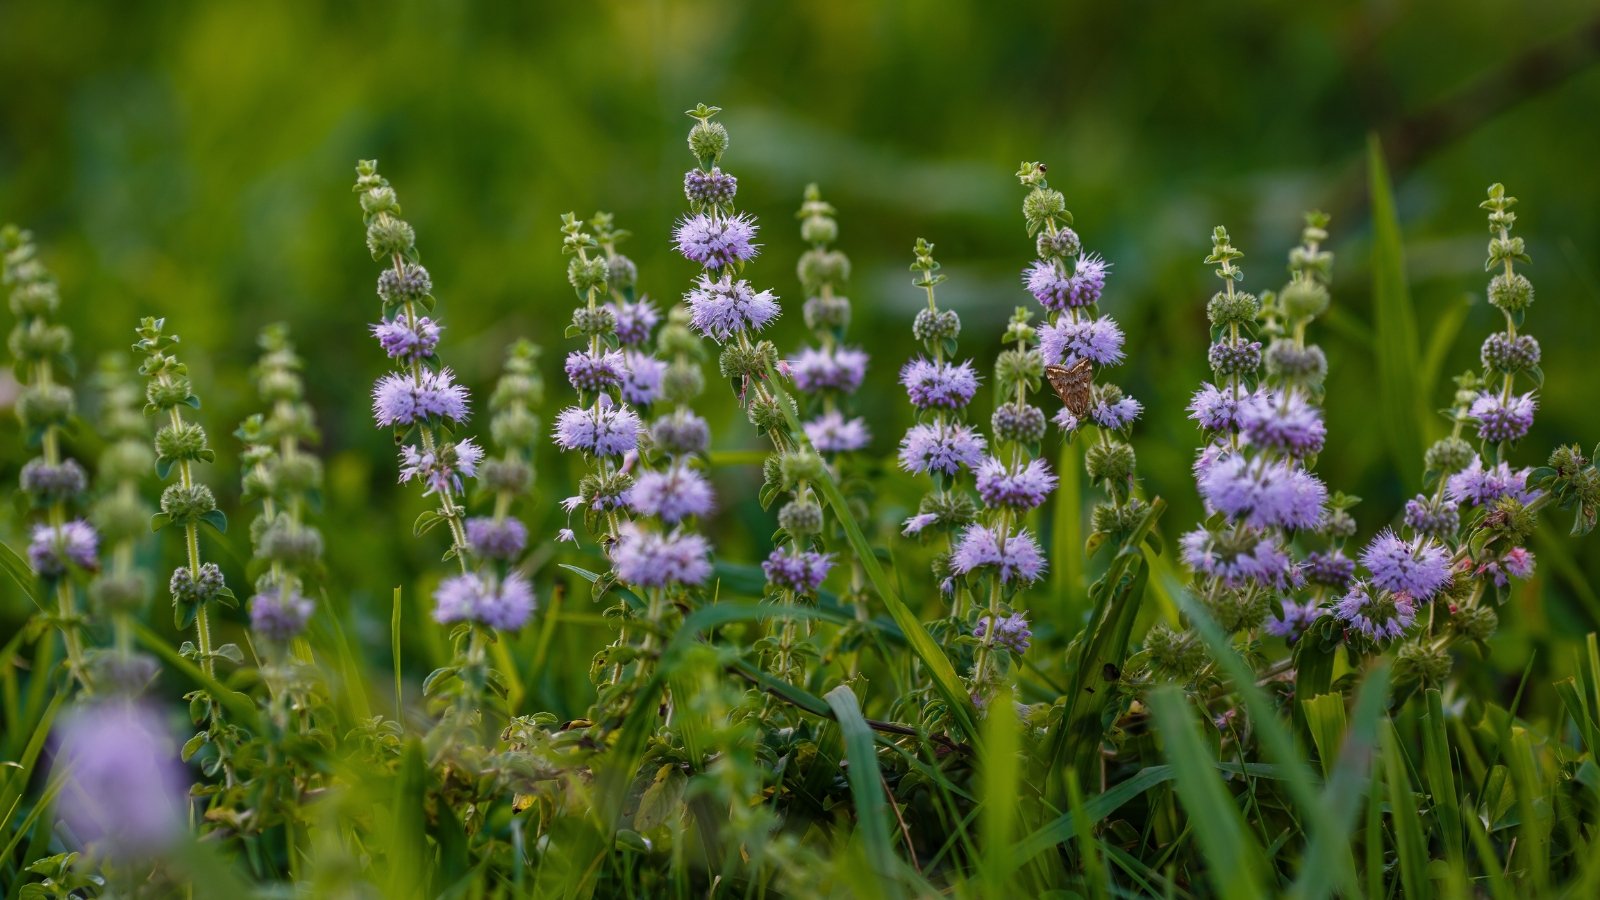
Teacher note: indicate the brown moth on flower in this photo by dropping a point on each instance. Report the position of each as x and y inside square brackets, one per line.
[1072, 385]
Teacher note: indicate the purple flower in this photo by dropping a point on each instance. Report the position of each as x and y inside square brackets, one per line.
[401, 340]
[443, 468]
[1380, 616]
[123, 789]
[930, 383]
[493, 538]
[1425, 516]
[503, 604]
[1331, 569]
[1237, 559]
[280, 614]
[1015, 556]
[595, 370]
[1116, 416]
[716, 242]
[1286, 423]
[635, 321]
[1215, 408]
[1065, 420]
[1516, 563]
[1264, 493]
[1418, 568]
[608, 430]
[722, 308]
[672, 495]
[831, 432]
[943, 447]
[1088, 280]
[641, 378]
[1479, 486]
[801, 572]
[1296, 618]
[1025, 488]
[917, 523]
[836, 369]
[647, 559]
[1500, 419]
[54, 549]
[1010, 632]
[401, 399]
[1045, 282]
[712, 187]
[1066, 342]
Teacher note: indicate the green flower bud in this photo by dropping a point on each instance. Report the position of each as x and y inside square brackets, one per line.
[818, 267]
[1306, 366]
[1568, 460]
[801, 518]
[765, 414]
[38, 339]
[1061, 243]
[1476, 623]
[1174, 655]
[799, 465]
[1239, 309]
[1019, 422]
[186, 441]
[682, 382]
[1512, 294]
[708, 141]
[164, 394]
[120, 593]
[739, 362]
[380, 199]
[121, 517]
[186, 505]
[621, 273]
[388, 236]
[511, 476]
[1421, 664]
[1018, 366]
[827, 312]
[819, 230]
[952, 508]
[931, 325]
[284, 542]
[1112, 461]
[1109, 518]
[1303, 299]
[586, 274]
[38, 298]
[515, 427]
[46, 405]
[298, 474]
[592, 322]
[1449, 455]
[1043, 204]
[1511, 519]
[126, 460]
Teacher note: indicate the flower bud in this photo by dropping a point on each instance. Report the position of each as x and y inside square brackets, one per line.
[1303, 298]
[388, 236]
[121, 517]
[827, 312]
[126, 460]
[119, 593]
[818, 267]
[1174, 655]
[682, 382]
[187, 589]
[801, 518]
[1019, 422]
[186, 505]
[1301, 365]
[49, 484]
[166, 393]
[799, 465]
[1449, 455]
[936, 325]
[515, 427]
[681, 434]
[819, 230]
[39, 339]
[1060, 243]
[1042, 204]
[1512, 293]
[621, 273]
[1239, 309]
[1112, 461]
[1013, 367]
[952, 508]
[586, 274]
[185, 441]
[1421, 664]
[1235, 357]
[1508, 355]
[46, 405]
[511, 476]
[708, 141]
[411, 283]
[1477, 623]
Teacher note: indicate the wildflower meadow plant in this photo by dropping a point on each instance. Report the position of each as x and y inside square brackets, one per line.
[905, 690]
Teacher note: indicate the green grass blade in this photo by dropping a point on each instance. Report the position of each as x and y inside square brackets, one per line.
[1411, 846]
[1001, 779]
[1233, 860]
[1325, 720]
[1441, 778]
[1395, 326]
[866, 787]
[1066, 540]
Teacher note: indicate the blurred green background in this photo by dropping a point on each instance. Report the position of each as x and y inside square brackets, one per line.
[193, 160]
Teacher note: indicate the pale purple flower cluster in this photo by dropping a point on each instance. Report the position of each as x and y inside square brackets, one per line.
[53, 550]
[1116, 416]
[1056, 290]
[721, 308]
[280, 613]
[443, 468]
[123, 790]
[942, 447]
[504, 604]
[709, 187]
[1380, 616]
[1246, 557]
[1418, 568]
[1264, 493]
[641, 377]
[1330, 569]
[802, 571]
[833, 432]
[934, 384]
[1027, 487]
[1011, 632]
[1283, 422]
[401, 398]
[838, 368]
[647, 559]
[1501, 419]
[1065, 342]
[1216, 409]
[595, 370]
[672, 494]
[606, 430]
[1515, 563]
[1296, 618]
[715, 242]
[1477, 485]
[496, 538]
[1013, 555]
[635, 321]
[402, 340]
[1425, 516]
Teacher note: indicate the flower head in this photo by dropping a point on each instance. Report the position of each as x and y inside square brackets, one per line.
[1331, 569]
[1025, 488]
[1501, 419]
[716, 242]
[641, 377]
[595, 370]
[1215, 408]
[492, 538]
[399, 398]
[1264, 494]
[1296, 618]
[1065, 342]
[672, 494]
[123, 790]
[280, 614]
[1418, 568]
[1011, 632]
[1479, 486]
[1117, 415]
[503, 604]
[442, 468]
[635, 321]
[831, 432]
[401, 339]
[54, 549]
[1283, 422]
[829, 369]
[942, 447]
[1381, 616]
[1237, 559]
[647, 559]
[608, 430]
[930, 383]
[721, 308]
[801, 571]
[1014, 556]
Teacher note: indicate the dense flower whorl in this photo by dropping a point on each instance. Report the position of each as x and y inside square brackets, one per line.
[634, 321]
[443, 468]
[833, 432]
[1217, 409]
[1418, 568]
[1477, 485]
[1330, 569]
[1055, 290]
[1014, 556]
[721, 308]
[647, 559]
[829, 369]
[399, 398]
[123, 790]
[1296, 618]
[1025, 488]
[713, 187]
[672, 494]
[1237, 559]
[52, 551]
[1500, 419]
[1065, 342]
[641, 377]
[492, 538]
[1263, 494]
[607, 430]
[1117, 414]
[714, 242]
[941, 447]
[802, 572]
[503, 604]
[933, 384]
[1381, 616]
[402, 340]
[1011, 632]
[280, 614]
[1284, 422]
[595, 370]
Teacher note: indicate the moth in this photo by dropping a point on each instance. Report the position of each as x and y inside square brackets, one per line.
[1072, 385]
